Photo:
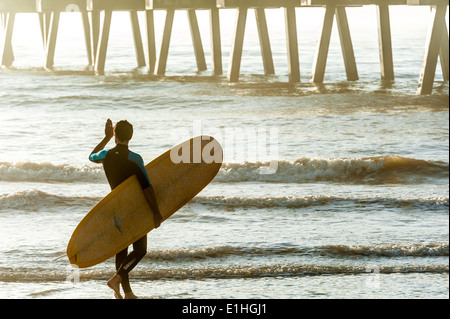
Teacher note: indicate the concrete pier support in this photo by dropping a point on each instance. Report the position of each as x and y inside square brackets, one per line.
[94, 18]
[266, 51]
[51, 39]
[137, 39]
[170, 6]
[237, 46]
[8, 11]
[103, 39]
[320, 59]
[49, 15]
[196, 40]
[436, 45]
[44, 22]
[151, 46]
[385, 43]
[292, 45]
[443, 53]
[87, 36]
[8, 27]
[101, 29]
[216, 42]
[346, 44]
[321, 55]
[161, 62]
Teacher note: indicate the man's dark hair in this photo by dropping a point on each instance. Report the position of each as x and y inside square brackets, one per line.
[123, 130]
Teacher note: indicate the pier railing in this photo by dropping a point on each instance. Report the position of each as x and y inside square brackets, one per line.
[97, 15]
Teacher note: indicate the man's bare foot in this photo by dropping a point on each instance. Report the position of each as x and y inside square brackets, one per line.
[130, 295]
[114, 284]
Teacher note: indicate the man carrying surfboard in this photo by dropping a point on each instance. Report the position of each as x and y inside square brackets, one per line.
[120, 163]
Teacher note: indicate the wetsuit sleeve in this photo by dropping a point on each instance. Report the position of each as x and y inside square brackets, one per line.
[137, 159]
[98, 157]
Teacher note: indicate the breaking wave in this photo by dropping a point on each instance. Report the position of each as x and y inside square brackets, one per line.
[216, 272]
[382, 169]
[394, 250]
[49, 172]
[277, 271]
[320, 200]
[183, 264]
[390, 169]
[35, 200]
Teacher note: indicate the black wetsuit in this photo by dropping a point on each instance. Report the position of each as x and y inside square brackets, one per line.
[120, 163]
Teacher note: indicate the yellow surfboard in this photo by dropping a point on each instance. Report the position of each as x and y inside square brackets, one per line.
[124, 215]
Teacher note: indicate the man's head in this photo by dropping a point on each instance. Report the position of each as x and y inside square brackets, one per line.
[123, 131]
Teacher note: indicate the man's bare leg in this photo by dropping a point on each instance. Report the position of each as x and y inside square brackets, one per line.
[114, 284]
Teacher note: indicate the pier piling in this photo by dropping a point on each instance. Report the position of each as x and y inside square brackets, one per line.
[49, 12]
[51, 39]
[94, 26]
[100, 30]
[165, 42]
[385, 43]
[292, 45]
[266, 50]
[436, 45]
[242, 7]
[237, 46]
[100, 59]
[196, 40]
[320, 59]
[8, 11]
[151, 46]
[7, 25]
[443, 54]
[137, 39]
[190, 6]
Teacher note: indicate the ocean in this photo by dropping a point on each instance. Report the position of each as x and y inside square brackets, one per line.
[338, 190]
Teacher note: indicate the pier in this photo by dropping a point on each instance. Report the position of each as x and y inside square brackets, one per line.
[96, 18]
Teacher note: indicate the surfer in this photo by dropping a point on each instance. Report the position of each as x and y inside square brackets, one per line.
[120, 163]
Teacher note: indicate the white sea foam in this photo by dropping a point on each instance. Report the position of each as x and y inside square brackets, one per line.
[319, 200]
[390, 168]
[393, 250]
[49, 172]
[34, 199]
